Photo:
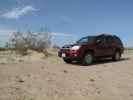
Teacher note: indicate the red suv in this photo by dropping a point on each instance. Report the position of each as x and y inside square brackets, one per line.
[89, 48]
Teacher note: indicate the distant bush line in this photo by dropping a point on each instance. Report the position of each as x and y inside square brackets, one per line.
[22, 42]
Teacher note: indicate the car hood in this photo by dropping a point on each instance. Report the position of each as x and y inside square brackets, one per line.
[71, 45]
[68, 46]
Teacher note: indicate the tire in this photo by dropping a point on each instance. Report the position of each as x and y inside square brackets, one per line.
[88, 59]
[67, 60]
[117, 56]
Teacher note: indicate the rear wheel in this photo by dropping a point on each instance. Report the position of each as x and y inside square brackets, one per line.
[117, 56]
[88, 58]
[67, 60]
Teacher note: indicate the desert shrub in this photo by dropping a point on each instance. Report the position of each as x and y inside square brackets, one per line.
[46, 54]
[2, 49]
[42, 41]
[56, 46]
[22, 42]
[18, 43]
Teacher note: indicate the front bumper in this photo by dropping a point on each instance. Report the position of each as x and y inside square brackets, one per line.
[71, 54]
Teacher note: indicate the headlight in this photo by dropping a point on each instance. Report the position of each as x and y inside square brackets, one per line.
[75, 47]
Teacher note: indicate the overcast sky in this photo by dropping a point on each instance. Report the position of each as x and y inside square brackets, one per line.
[68, 20]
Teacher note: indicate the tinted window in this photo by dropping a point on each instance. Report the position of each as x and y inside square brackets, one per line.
[101, 39]
[86, 40]
[109, 39]
[118, 41]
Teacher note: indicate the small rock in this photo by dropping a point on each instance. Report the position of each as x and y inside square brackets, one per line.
[105, 65]
[98, 92]
[20, 60]
[49, 80]
[20, 80]
[92, 80]
[65, 71]
[42, 67]
[131, 94]
[3, 63]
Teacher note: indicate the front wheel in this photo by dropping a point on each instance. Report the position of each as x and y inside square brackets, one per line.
[88, 58]
[67, 60]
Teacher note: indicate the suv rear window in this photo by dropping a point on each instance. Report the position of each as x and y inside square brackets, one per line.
[118, 40]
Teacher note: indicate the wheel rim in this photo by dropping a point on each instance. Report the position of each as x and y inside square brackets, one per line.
[88, 58]
[117, 56]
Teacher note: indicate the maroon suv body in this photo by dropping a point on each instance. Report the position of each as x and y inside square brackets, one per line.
[87, 49]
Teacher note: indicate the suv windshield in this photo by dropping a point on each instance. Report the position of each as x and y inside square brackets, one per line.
[89, 39]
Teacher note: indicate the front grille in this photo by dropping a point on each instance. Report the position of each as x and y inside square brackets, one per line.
[65, 49]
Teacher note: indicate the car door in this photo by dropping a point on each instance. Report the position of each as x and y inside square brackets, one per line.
[109, 45]
[101, 46]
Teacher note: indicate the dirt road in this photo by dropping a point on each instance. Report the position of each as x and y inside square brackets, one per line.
[52, 79]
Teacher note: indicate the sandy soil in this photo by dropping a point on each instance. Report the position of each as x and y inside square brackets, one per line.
[52, 79]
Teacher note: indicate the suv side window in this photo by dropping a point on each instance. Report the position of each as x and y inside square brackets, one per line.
[101, 39]
[109, 40]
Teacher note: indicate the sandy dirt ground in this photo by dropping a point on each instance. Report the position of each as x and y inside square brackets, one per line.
[31, 78]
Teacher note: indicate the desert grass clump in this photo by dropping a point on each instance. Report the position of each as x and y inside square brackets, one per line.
[22, 42]
[19, 44]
